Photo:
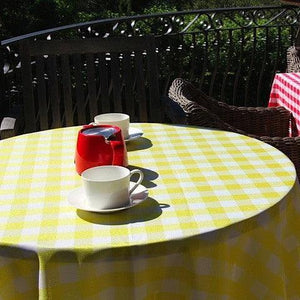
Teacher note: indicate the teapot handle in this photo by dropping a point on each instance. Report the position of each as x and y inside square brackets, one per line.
[118, 152]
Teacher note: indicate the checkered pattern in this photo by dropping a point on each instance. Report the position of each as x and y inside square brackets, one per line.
[221, 221]
[285, 92]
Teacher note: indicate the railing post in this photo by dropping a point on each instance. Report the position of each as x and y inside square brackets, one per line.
[3, 105]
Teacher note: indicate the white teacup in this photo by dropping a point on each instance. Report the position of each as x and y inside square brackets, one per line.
[107, 187]
[116, 119]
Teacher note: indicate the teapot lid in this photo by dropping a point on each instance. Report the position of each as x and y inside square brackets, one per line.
[106, 132]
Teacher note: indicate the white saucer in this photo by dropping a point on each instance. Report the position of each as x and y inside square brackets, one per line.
[77, 199]
[134, 133]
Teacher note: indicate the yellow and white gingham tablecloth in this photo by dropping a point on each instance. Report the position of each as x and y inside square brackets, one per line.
[221, 221]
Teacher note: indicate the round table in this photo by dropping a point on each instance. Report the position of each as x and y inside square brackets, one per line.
[221, 220]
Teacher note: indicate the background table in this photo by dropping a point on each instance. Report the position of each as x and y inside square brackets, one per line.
[285, 92]
[222, 220]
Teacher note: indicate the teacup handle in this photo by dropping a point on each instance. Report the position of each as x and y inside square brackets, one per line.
[141, 177]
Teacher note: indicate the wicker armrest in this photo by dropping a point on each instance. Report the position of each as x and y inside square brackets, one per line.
[200, 116]
[262, 121]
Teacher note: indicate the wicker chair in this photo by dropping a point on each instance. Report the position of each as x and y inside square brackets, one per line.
[191, 106]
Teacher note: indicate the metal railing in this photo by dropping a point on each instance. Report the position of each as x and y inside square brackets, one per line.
[232, 53]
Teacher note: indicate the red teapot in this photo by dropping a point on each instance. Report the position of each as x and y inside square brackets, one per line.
[100, 145]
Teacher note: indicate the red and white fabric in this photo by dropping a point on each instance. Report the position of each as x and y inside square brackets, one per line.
[285, 92]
